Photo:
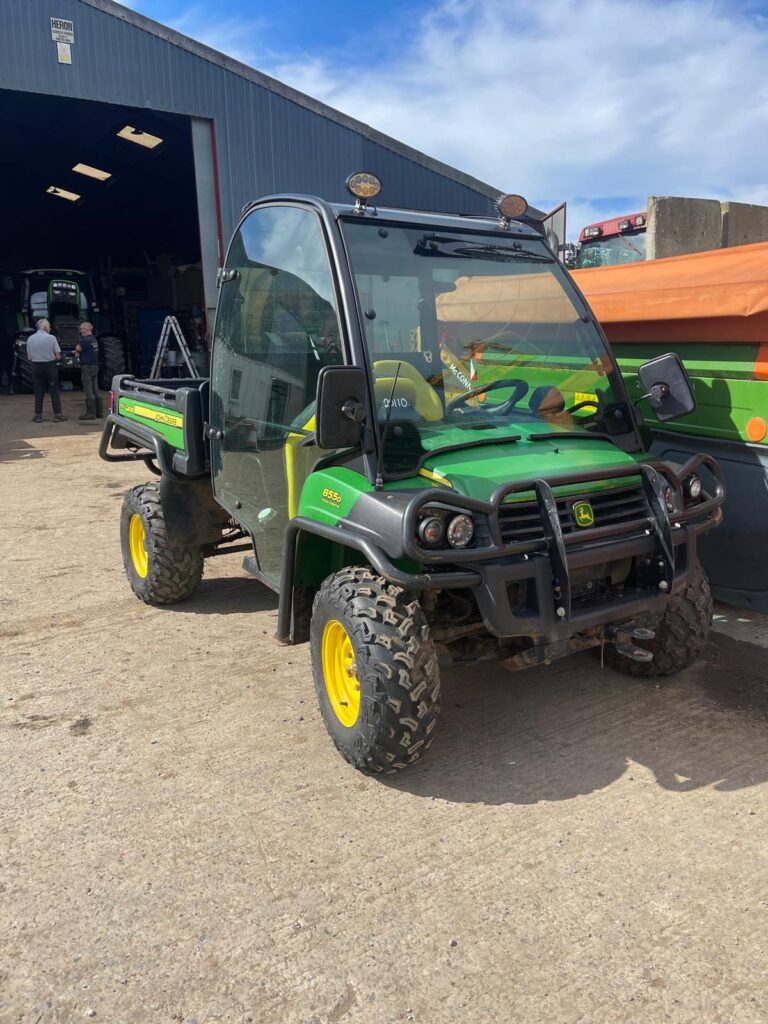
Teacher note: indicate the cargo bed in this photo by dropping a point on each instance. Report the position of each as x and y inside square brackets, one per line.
[161, 422]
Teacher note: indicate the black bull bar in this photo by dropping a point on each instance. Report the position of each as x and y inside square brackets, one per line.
[461, 568]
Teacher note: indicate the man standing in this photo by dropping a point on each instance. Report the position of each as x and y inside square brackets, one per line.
[88, 347]
[44, 354]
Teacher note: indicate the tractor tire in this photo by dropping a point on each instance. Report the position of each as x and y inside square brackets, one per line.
[681, 633]
[21, 379]
[158, 571]
[112, 360]
[375, 671]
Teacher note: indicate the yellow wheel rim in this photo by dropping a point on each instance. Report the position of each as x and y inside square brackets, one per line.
[137, 540]
[340, 673]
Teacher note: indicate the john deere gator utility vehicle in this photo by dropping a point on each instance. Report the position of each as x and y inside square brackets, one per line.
[65, 298]
[418, 432]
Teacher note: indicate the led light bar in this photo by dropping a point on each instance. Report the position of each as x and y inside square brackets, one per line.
[62, 193]
[141, 138]
[92, 172]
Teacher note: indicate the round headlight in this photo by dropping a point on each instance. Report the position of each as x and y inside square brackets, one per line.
[461, 530]
[693, 487]
[669, 499]
[431, 531]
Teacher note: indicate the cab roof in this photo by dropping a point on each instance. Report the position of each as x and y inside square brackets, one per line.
[529, 225]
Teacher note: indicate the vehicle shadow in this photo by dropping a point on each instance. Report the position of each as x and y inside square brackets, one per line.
[572, 729]
[15, 449]
[228, 595]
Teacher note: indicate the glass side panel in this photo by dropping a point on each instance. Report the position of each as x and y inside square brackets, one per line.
[276, 327]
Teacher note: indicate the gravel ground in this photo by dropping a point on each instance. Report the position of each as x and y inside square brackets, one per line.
[179, 842]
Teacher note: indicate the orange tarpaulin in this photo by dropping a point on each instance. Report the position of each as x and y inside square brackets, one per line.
[519, 298]
[706, 296]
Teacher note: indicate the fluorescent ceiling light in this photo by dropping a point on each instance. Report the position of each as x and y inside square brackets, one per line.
[92, 172]
[138, 136]
[62, 193]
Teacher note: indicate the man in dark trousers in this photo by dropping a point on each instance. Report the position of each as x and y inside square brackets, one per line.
[44, 354]
[88, 347]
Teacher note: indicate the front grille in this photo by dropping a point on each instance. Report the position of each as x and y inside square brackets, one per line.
[520, 521]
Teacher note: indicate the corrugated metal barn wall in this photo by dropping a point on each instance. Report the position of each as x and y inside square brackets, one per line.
[266, 142]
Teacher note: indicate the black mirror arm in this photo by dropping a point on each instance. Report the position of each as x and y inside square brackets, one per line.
[354, 410]
[657, 393]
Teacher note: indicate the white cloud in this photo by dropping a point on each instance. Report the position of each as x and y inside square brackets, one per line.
[241, 38]
[600, 102]
[572, 98]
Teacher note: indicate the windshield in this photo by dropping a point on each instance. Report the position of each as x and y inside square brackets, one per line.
[472, 338]
[607, 252]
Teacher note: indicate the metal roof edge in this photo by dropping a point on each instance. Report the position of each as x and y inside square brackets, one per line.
[236, 67]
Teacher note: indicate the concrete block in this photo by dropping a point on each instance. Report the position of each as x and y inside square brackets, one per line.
[744, 223]
[677, 226]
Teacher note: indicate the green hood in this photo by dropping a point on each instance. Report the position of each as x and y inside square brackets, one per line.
[479, 470]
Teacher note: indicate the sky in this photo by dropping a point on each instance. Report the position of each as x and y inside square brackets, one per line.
[597, 102]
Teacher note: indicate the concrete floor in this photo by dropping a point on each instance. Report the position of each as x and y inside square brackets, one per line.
[179, 841]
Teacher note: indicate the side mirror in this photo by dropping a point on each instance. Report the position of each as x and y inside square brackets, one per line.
[667, 387]
[340, 407]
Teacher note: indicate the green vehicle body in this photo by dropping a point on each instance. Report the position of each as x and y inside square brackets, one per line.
[578, 532]
[731, 393]
[711, 308]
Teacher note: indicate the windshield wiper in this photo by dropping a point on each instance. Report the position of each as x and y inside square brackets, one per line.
[431, 245]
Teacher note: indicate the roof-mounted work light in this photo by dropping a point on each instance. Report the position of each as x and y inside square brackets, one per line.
[363, 186]
[510, 207]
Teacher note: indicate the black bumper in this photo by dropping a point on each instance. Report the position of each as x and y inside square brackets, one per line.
[543, 606]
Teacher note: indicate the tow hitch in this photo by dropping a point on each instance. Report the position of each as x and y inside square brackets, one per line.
[622, 636]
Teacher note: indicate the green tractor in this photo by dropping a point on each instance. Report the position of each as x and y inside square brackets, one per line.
[66, 298]
[417, 432]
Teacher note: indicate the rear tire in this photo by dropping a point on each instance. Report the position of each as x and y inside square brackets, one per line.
[386, 671]
[21, 380]
[112, 360]
[158, 571]
[681, 633]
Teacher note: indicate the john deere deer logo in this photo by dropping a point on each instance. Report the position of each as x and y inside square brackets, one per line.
[583, 514]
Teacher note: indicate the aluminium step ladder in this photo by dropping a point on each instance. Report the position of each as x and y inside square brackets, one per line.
[171, 329]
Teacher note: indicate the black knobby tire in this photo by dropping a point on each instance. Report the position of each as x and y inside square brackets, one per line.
[681, 633]
[22, 382]
[396, 667]
[172, 572]
[112, 360]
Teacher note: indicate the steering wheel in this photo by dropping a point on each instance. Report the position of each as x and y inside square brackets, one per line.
[521, 391]
[583, 405]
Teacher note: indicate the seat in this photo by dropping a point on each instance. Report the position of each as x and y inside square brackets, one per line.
[415, 390]
[548, 404]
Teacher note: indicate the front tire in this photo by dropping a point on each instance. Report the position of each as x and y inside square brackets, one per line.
[158, 571]
[682, 631]
[375, 671]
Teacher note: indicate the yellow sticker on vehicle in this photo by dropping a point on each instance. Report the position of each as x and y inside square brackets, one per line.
[168, 419]
[585, 396]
